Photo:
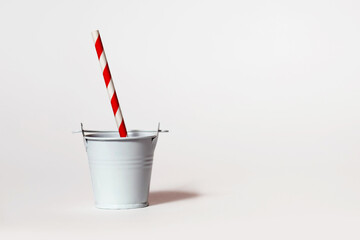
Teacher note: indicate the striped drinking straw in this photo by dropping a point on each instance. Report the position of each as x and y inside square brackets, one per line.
[109, 84]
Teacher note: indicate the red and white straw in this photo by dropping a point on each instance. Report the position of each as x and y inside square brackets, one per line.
[109, 84]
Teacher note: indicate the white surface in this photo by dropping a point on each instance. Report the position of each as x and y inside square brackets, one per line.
[261, 97]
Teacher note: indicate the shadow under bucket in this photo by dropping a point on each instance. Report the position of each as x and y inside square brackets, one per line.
[120, 167]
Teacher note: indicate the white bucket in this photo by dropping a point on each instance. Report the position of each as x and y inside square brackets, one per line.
[120, 167]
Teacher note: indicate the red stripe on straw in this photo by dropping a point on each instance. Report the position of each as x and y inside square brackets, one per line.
[99, 47]
[114, 103]
[107, 75]
[122, 129]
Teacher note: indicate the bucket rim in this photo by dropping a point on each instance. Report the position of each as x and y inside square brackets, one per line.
[94, 135]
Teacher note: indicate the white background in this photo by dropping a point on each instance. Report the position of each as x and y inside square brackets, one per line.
[261, 98]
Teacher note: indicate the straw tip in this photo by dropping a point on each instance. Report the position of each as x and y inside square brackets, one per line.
[95, 33]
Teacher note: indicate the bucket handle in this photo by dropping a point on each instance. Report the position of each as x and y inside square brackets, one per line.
[83, 133]
[157, 132]
[82, 129]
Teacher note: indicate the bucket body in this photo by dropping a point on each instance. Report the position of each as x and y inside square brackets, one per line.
[120, 167]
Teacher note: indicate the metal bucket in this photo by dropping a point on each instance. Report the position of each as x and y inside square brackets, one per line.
[120, 167]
